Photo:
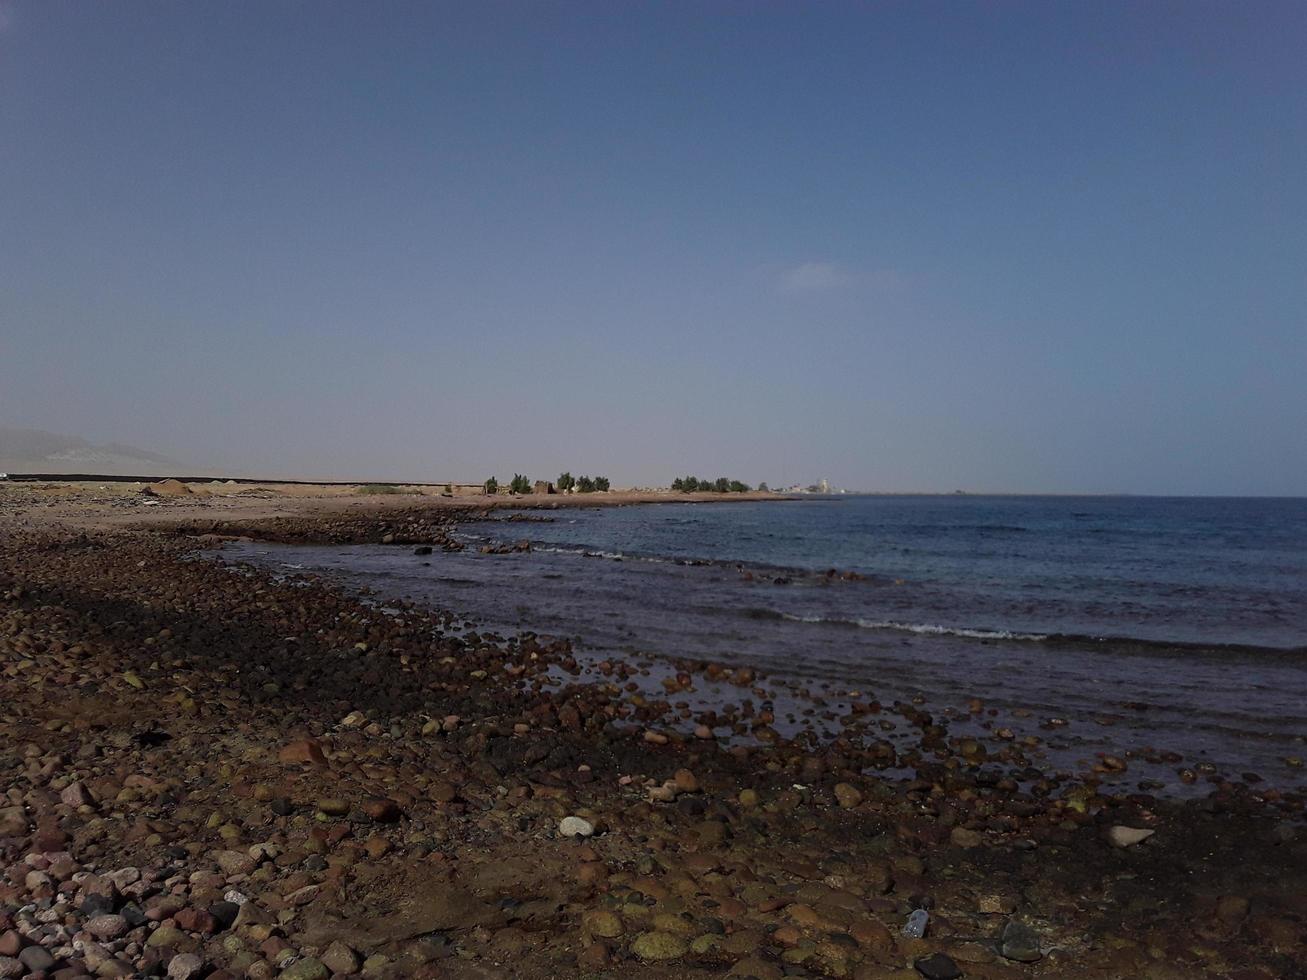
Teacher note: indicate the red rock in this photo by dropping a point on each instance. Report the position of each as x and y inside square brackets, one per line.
[304, 751]
[382, 811]
[196, 920]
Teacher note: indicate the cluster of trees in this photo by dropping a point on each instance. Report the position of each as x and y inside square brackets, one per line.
[582, 484]
[566, 482]
[692, 484]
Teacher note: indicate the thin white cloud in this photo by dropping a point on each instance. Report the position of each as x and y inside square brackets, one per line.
[813, 277]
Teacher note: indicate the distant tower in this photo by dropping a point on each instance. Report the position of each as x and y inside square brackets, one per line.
[825, 485]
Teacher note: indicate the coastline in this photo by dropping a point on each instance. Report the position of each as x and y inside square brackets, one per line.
[365, 776]
[93, 504]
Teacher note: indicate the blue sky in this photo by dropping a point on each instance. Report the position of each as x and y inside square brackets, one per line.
[1003, 246]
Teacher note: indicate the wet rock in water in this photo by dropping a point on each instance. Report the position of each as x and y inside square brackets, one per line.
[937, 966]
[306, 969]
[575, 827]
[1019, 942]
[847, 795]
[656, 946]
[340, 958]
[1122, 836]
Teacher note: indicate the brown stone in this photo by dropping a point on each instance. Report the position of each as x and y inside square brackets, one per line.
[305, 751]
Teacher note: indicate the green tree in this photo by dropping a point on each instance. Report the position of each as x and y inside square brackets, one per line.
[585, 485]
[492, 485]
[722, 485]
[601, 484]
[762, 488]
[565, 482]
[738, 487]
[519, 484]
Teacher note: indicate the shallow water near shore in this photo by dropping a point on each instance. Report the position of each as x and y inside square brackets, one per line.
[1172, 624]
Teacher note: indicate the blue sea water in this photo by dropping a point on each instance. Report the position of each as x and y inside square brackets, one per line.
[1173, 623]
[1178, 570]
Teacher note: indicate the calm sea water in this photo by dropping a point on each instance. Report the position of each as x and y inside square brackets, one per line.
[1177, 623]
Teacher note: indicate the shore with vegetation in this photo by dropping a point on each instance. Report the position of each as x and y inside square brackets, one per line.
[212, 770]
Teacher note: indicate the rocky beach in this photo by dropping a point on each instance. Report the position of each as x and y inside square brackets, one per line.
[211, 769]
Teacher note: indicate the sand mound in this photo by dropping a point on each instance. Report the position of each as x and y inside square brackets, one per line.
[167, 488]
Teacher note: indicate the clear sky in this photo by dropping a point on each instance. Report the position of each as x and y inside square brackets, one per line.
[1004, 246]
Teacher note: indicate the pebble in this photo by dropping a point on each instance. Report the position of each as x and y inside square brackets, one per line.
[107, 927]
[575, 827]
[604, 924]
[962, 837]
[185, 966]
[36, 958]
[848, 796]
[1121, 836]
[1019, 942]
[340, 958]
[937, 966]
[655, 946]
[306, 969]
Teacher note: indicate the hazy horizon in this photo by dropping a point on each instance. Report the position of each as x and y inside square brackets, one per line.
[1031, 248]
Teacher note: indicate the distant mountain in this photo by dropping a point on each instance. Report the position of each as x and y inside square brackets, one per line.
[34, 451]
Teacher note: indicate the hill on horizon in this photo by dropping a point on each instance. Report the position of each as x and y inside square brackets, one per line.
[38, 451]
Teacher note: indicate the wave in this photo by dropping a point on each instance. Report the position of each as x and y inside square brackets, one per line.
[1115, 643]
[926, 629]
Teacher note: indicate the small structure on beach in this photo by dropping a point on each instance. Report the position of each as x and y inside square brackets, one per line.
[542, 486]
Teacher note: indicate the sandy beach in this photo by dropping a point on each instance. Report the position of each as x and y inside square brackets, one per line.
[214, 769]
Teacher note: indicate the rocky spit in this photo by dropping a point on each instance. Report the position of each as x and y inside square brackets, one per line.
[210, 771]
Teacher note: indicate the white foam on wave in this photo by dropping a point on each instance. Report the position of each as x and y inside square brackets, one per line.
[925, 629]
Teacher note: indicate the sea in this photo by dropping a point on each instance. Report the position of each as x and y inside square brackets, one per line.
[1157, 627]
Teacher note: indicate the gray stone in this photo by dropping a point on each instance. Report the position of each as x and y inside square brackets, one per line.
[107, 927]
[575, 827]
[1019, 942]
[36, 958]
[185, 966]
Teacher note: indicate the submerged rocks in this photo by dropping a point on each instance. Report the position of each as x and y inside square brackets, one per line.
[937, 966]
[848, 796]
